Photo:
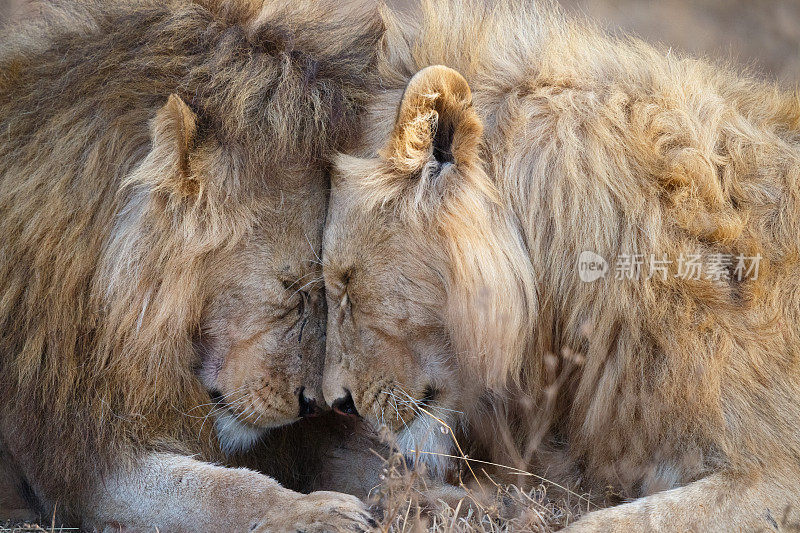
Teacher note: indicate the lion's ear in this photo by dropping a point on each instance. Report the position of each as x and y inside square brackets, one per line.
[173, 134]
[436, 123]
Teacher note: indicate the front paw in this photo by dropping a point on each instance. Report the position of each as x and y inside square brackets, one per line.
[323, 512]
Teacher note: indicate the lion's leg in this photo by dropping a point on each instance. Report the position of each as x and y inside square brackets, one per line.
[176, 493]
[720, 502]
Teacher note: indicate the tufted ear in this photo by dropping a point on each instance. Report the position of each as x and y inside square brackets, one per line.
[436, 124]
[173, 134]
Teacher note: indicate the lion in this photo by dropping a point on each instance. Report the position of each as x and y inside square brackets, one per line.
[163, 186]
[513, 167]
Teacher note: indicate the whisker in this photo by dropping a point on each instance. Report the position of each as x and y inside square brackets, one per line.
[298, 280]
[221, 408]
[219, 400]
[307, 284]
[313, 250]
[394, 399]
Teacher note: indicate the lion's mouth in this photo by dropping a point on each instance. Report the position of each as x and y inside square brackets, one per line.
[238, 431]
[405, 407]
[396, 410]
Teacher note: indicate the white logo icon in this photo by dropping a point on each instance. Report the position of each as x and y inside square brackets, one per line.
[591, 266]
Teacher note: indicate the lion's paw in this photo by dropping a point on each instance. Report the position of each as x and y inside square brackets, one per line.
[323, 512]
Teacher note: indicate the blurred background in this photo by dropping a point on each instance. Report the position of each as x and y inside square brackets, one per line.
[762, 35]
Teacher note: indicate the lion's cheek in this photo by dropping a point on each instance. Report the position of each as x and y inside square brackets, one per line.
[251, 364]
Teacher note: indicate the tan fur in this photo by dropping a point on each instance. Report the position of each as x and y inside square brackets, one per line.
[162, 190]
[451, 278]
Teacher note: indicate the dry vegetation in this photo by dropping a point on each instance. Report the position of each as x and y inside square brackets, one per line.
[504, 508]
[22, 527]
[494, 507]
[491, 501]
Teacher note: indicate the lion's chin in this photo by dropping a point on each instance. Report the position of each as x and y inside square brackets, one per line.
[235, 436]
[428, 442]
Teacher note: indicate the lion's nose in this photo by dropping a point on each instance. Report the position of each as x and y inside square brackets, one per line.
[308, 406]
[345, 405]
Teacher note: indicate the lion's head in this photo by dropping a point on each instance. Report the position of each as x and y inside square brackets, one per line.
[260, 340]
[421, 271]
[253, 305]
